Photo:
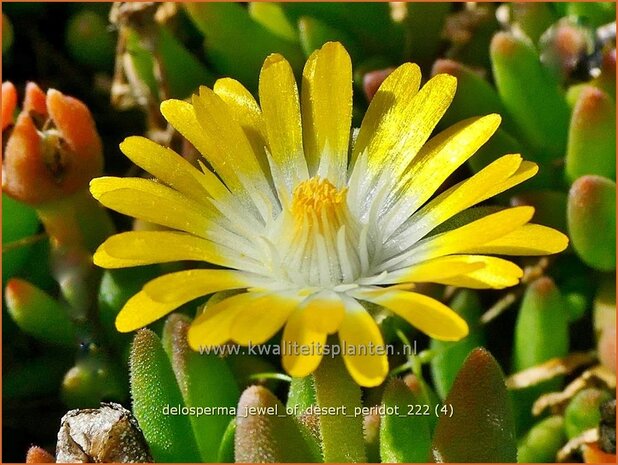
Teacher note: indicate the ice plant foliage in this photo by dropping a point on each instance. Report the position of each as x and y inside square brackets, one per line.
[308, 225]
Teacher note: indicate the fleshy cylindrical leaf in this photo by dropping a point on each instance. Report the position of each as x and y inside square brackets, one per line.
[94, 378]
[583, 412]
[543, 441]
[541, 333]
[264, 433]
[226, 448]
[314, 33]
[404, 436]
[229, 23]
[592, 136]
[39, 315]
[423, 29]
[532, 18]
[482, 427]
[591, 216]
[116, 287]
[154, 389]
[205, 381]
[450, 356]
[538, 107]
[474, 96]
[541, 330]
[342, 435]
[19, 222]
[271, 16]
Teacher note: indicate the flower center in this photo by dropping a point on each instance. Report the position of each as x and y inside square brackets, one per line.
[317, 238]
[317, 198]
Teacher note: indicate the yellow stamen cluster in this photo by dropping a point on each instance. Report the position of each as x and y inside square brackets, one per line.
[317, 196]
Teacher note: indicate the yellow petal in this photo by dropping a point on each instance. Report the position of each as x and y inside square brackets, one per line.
[182, 116]
[263, 317]
[406, 127]
[464, 238]
[302, 347]
[136, 248]
[459, 197]
[530, 239]
[153, 202]
[184, 286]
[363, 348]
[166, 165]
[526, 170]
[327, 111]
[323, 312]
[246, 112]
[442, 155]
[212, 326]
[430, 316]
[281, 113]
[433, 270]
[230, 154]
[398, 88]
[168, 292]
[496, 273]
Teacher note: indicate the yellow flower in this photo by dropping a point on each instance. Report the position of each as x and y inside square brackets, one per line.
[313, 223]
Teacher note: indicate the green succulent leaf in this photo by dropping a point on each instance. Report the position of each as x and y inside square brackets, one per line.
[591, 216]
[174, 57]
[541, 330]
[229, 23]
[543, 441]
[39, 377]
[264, 433]
[592, 136]
[226, 448]
[594, 13]
[342, 435]
[532, 18]
[405, 437]
[19, 221]
[116, 287]
[40, 315]
[153, 389]
[301, 395]
[423, 27]
[583, 412]
[271, 16]
[94, 378]
[369, 24]
[474, 96]
[541, 333]
[481, 428]
[142, 61]
[7, 34]
[315, 33]
[450, 356]
[205, 382]
[539, 107]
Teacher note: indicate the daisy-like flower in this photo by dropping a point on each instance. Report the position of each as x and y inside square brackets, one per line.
[308, 224]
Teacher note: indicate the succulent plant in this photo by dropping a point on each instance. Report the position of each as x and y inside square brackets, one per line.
[542, 389]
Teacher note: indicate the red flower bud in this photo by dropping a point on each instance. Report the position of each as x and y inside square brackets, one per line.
[9, 101]
[54, 149]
